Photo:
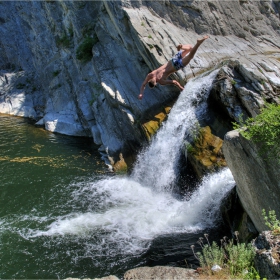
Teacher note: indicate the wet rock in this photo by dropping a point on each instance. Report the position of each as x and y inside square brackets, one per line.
[236, 218]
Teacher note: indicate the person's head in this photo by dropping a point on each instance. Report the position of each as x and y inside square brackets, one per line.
[152, 83]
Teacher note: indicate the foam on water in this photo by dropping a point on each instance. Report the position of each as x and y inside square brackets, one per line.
[131, 215]
[123, 214]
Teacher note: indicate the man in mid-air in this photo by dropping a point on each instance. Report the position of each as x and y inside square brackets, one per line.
[179, 61]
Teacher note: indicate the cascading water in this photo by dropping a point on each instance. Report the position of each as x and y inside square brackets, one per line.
[126, 213]
[156, 166]
[115, 219]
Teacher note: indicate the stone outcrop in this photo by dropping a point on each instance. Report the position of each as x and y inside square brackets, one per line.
[205, 153]
[84, 61]
[110, 277]
[267, 259]
[257, 179]
[160, 273]
[243, 86]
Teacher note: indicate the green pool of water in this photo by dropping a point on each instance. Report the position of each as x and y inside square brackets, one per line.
[63, 215]
[39, 172]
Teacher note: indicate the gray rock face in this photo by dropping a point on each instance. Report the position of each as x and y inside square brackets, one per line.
[160, 273]
[243, 86]
[98, 97]
[18, 96]
[267, 259]
[257, 180]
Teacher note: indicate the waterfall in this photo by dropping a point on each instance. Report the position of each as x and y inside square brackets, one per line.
[126, 213]
[156, 166]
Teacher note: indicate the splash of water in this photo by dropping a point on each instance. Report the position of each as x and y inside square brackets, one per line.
[123, 214]
[132, 210]
[130, 215]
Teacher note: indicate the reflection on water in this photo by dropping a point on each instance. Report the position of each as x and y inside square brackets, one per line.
[37, 169]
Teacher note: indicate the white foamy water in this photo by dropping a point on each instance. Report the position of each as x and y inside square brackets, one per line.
[122, 215]
[131, 215]
[126, 213]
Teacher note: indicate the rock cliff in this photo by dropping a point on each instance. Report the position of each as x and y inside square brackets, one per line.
[258, 180]
[77, 66]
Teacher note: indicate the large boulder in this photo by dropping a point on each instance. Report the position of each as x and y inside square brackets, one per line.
[257, 179]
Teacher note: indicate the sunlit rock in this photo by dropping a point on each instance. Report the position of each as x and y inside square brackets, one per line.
[257, 179]
[160, 273]
[99, 83]
[205, 154]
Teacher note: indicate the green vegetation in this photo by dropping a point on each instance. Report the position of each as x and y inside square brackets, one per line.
[84, 51]
[264, 130]
[233, 82]
[71, 31]
[150, 36]
[55, 73]
[271, 221]
[64, 41]
[229, 260]
[190, 148]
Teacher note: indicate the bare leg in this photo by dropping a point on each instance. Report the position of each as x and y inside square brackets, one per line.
[186, 60]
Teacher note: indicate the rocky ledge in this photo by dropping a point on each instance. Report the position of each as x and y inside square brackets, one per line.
[267, 259]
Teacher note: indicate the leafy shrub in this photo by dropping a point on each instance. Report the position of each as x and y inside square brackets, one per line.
[271, 221]
[232, 260]
[84, 51]
[240, 257]
[88, 30]
[264, 130]
[211, 255]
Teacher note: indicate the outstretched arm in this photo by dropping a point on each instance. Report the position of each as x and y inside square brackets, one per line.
[171, 82]
[148, 78]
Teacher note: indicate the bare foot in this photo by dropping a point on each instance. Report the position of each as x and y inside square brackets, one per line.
[199, 41]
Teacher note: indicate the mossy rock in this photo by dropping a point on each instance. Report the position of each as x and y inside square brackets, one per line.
[205, 154]
[120, 167]
[152, 126]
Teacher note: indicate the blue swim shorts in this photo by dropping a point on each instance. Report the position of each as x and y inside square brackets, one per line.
[177, 61]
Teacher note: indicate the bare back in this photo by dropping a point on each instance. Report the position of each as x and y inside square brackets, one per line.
[162, 73]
